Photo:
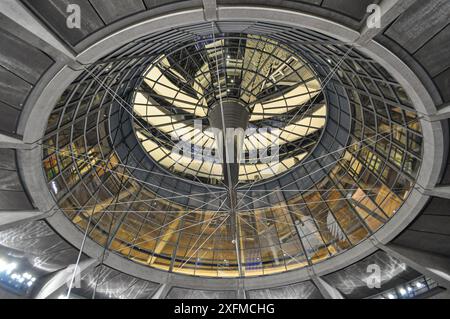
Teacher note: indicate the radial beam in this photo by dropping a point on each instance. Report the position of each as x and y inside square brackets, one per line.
[438, 191]
[210, 10]
[389, 10]
[18, 13]
[64, 276]
[443, 113]
[162, 291]
[9, 219]
[12, 142]
[437, 267]
[240, 294]
[327, 291]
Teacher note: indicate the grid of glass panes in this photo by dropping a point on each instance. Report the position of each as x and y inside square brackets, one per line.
[365, 184]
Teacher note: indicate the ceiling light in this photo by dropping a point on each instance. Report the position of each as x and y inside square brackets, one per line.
[54, 187]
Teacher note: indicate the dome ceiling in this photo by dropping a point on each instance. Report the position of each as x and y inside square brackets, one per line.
[350, 148]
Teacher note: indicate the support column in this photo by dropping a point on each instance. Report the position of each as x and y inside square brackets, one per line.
[230, 119]
[64, 277]
[437, 267]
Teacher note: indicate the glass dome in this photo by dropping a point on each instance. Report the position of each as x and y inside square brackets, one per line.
[350, 148]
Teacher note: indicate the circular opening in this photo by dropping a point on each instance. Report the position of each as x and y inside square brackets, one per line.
[174, 105]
